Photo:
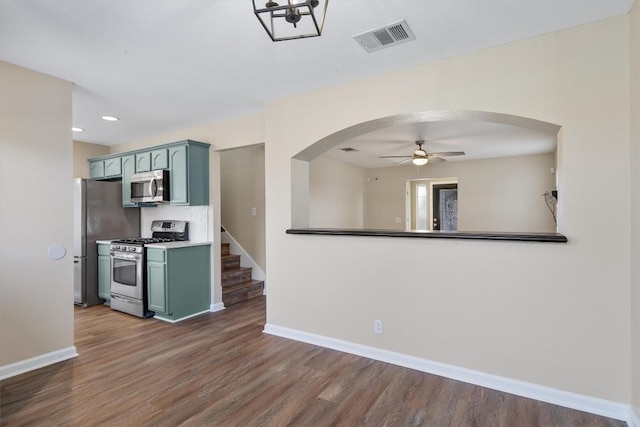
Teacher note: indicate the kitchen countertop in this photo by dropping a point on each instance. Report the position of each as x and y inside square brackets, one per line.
[175, 245]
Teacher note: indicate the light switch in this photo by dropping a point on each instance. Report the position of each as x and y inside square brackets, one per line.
[254, 212]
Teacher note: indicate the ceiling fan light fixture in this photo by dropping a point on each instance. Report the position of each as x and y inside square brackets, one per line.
[420, 161]
[297, 19]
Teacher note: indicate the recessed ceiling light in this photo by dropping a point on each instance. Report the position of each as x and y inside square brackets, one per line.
[77, 129]
[110, 118]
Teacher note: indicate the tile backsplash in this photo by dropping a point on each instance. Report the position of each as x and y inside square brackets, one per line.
[198, 217]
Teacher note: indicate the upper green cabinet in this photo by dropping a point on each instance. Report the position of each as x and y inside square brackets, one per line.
[187, 162]
[189, 174]
[143, 162]
[109, 168]
[159, 159]
[96, 169]
[128, 169]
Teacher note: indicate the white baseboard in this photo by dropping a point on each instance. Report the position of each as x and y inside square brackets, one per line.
[563, 398]
[164, 319]
[219, 306]
[37, 362]
[634, 417]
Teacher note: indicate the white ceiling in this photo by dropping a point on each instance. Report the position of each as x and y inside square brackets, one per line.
[164, 65]
[478, 140]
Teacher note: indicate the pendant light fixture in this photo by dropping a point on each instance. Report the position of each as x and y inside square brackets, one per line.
[297, 19]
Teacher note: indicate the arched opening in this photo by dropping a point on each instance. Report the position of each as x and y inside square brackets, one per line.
[506, 168]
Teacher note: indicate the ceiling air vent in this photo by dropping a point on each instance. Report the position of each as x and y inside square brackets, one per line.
[348, 149]
[389, 35]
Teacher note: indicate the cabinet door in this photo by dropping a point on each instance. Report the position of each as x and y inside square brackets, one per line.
[104, 277]
[112, 167]
[96, 169]
[143, 162]
[128, 169]
[159, 159]
[157, 287]
[178, 190]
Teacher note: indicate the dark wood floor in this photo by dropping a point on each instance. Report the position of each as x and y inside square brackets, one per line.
[219, 369]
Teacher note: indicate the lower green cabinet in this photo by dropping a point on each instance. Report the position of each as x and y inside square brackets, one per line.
[157, 285]
[179, 281]
[104, 272]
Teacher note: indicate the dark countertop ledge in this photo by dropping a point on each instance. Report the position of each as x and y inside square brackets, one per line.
[473, 235]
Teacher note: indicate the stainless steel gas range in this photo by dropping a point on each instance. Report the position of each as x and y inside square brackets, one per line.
[129, 266]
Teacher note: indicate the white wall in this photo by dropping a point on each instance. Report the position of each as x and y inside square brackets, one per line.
[36, 165]
[551, 314]
[499, 194]
[336, 194]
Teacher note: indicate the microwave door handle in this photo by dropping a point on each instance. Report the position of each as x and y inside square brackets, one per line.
[153, 188]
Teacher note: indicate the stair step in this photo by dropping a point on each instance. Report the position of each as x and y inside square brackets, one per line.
[242, 292]
[230, 262]
[233, 277]
[224, 249]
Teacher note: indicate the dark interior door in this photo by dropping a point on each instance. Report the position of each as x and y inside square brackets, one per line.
[445, 207]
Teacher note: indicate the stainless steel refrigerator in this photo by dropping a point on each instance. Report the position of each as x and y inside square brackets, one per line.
[97, 215]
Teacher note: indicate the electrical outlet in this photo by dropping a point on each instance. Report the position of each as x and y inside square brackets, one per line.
[377, 326]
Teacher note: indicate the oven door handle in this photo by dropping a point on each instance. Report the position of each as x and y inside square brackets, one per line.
[127, 257]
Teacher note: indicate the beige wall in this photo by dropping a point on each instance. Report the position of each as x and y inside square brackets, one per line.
[500, 194]
[36, 161]
[241, 189]
[551, 314]
[336, 194]
[83, 151]
[634, 157]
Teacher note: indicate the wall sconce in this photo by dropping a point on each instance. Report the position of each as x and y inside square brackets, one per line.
[297, 19]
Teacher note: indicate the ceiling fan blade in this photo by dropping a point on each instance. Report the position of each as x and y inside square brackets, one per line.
[448, 153]
[403, 162]
[394, 157]
[435, 159]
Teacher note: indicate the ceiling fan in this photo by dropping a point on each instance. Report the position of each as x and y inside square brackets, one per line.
[421, 157]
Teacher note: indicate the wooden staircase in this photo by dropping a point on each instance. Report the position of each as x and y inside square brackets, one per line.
[237, 284]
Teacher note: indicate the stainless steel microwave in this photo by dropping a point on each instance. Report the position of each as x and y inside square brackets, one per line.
[150, 187]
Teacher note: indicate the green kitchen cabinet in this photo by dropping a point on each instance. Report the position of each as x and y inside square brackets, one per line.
[105, 168]
[187, 162]
[96, 169]
[128, 169]
[189, 173]
[152, 160]
[179, 281]
[112, 167]
[159, 159]
[104, 272]
[143, 162]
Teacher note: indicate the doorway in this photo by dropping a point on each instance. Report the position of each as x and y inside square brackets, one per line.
[432, 204]
[445, 207]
